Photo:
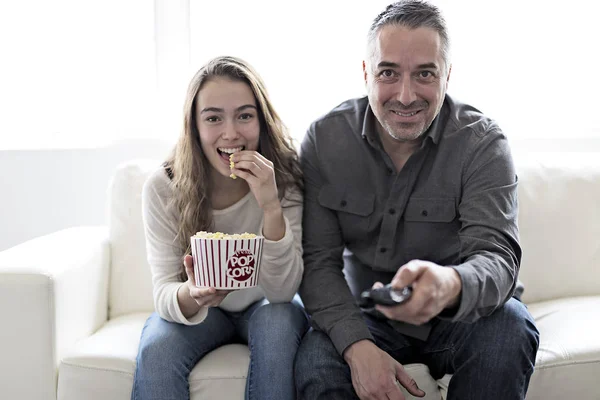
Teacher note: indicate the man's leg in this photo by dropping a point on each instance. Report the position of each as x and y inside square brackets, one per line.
[490, 359]
[322, 373]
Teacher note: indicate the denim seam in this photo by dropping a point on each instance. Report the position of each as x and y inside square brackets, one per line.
[249, 378]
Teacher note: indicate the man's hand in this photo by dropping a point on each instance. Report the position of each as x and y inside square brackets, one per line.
[376, 375]
[434, 288]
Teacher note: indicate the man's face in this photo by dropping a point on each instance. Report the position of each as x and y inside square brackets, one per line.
[406, 80]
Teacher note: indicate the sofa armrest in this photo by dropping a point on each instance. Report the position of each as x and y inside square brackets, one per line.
[53, 292]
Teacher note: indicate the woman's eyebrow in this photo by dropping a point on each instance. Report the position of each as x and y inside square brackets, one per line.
[220, 110]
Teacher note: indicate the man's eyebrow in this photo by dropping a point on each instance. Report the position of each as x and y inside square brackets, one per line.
[220, 110]
[389, 64]
[428, 66]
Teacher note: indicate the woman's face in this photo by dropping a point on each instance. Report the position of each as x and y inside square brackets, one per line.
[227, 119]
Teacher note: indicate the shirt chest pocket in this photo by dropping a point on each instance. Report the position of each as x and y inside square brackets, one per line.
[353, 210]
[430, 210]
[431, 229]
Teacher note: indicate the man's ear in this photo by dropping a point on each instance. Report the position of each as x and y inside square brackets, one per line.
[364, 71]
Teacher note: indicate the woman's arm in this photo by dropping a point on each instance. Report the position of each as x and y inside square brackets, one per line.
[281, 265]
[164, 255]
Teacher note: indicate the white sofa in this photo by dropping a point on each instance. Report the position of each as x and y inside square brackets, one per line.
[73, 303]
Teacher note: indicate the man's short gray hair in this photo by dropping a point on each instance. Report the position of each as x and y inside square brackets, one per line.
[412, 14]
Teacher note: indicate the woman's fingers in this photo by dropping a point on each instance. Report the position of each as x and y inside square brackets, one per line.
[188, 263]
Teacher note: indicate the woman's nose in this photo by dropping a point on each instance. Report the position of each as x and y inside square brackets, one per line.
[229, 131]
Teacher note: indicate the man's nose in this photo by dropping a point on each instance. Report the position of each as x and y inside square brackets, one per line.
[405, 90]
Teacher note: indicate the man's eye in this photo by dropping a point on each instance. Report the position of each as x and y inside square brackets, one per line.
[387, 73]
[426, 74]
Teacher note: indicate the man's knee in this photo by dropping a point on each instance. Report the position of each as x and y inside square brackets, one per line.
[314, 350]
[514, 322]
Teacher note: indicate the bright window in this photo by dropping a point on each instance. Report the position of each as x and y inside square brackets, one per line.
[76, 73]
[531, 65]
[86, 73]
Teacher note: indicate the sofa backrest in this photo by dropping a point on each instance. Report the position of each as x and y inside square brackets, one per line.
[559, 224]
[559, 221]
[130, 285]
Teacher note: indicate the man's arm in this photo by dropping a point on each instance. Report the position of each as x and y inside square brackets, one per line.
[324, 290]
[489, 246]
[489, 236]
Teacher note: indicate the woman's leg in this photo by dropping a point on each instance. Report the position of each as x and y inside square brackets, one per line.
[274, 334]
[168, 351]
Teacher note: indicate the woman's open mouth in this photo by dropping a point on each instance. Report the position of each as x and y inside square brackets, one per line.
[225, 152]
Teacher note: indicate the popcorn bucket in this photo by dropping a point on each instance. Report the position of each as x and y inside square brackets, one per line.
[227, 263]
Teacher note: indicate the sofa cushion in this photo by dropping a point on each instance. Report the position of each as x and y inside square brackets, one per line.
[559, 224]
[130, 278]
[102, 367]
[569, 349]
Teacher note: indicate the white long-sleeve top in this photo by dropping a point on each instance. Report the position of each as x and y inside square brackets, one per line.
[281, 266]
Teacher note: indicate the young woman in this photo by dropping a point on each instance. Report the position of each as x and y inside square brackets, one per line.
[227, 111]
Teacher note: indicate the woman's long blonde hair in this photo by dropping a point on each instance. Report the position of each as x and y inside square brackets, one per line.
[188, 166]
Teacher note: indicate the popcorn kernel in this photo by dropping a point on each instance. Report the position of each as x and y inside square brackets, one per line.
[221, 235]
[231, 166]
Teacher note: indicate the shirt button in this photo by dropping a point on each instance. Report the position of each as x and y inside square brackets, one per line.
[424, 213]
[389, 171]
[382, 250]
[343, 203]
[392, 211]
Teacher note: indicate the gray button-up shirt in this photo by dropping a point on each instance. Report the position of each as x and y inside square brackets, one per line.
[453, 203]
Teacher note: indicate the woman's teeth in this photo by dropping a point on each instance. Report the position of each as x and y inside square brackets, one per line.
[230, 150]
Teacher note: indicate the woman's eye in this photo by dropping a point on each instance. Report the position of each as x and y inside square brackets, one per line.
[246, 116]
[212, 118]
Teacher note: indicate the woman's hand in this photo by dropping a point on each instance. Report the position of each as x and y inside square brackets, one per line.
[192, 298]
[252, 167]
[259, 173]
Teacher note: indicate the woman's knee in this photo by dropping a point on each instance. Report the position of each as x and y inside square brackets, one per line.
[159, 342]
[281, 317]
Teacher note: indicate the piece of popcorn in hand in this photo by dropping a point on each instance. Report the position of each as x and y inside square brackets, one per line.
[231, 166]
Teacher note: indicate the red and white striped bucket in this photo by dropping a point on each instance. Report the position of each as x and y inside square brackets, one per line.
[227, 263]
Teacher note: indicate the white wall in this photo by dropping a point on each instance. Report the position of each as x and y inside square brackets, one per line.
[46, 190]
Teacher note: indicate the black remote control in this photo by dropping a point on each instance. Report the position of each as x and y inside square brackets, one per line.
[385, 296]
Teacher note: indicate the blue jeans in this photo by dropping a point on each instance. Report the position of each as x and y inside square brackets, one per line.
[491, 359]
[169, 351]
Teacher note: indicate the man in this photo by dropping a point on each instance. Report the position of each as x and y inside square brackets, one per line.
[411, 187]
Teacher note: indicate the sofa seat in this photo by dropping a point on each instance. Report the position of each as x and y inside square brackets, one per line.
[102, 366]
[569, 349]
